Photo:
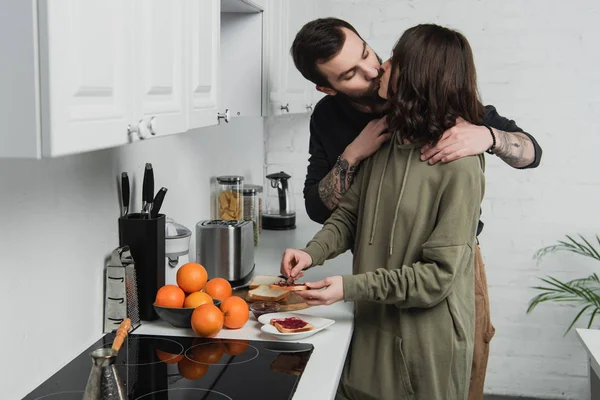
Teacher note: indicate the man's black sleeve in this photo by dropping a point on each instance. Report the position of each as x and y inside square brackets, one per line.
[318, 168]
[495, 120]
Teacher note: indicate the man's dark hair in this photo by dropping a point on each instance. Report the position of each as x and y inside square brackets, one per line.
[432, 82]
[317, 42]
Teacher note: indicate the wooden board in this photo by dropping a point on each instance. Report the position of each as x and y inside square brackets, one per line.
[291, 303]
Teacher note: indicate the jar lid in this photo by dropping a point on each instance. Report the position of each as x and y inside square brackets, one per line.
[230, 179]
[258, 188]
[248, 191]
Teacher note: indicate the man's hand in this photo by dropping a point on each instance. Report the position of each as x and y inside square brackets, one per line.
[462, 140]
[333, 293]
[293, 262]
[367, 142]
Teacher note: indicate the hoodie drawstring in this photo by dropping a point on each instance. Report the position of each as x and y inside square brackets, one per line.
[387, 160]
[400, 199]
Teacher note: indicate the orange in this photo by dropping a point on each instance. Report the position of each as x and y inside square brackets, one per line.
[196, 299]
[235, 312]
[236, 347]
[207, 320]
[191, 277]
[209, 353]
[218, 288]
[168, 358]
[170, 296]
[190, 369]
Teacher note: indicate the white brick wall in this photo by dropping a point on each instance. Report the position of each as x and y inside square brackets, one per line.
[537, 63]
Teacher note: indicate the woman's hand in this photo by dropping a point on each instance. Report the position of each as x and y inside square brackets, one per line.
[293, 262]
[333, 292]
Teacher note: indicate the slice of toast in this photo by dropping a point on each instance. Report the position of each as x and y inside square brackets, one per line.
[264, 280]
[290, 288]
[265, 293]
[280, 325]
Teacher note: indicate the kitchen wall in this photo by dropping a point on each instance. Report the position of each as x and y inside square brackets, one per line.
[59, 222]
[537, 63]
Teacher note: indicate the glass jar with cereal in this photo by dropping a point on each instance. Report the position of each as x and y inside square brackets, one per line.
[230, 202]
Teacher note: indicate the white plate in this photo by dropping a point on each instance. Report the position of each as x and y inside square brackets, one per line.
[318, 322]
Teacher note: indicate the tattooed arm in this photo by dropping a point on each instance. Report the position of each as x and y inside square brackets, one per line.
[337, 182]
[325, 186]
[514, 148]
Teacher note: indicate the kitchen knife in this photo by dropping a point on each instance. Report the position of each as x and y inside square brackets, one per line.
[157, 203]
[147, 190]
[125, 193]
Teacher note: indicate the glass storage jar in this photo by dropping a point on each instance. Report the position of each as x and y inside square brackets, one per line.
[230, 204]
[259, 195]
[251, 209]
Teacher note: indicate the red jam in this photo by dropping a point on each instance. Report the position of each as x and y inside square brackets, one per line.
[290, 323]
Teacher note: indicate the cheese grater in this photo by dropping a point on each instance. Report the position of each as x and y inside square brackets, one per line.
[120, 291]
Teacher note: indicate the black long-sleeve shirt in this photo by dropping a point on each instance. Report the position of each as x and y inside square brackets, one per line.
[335, 123]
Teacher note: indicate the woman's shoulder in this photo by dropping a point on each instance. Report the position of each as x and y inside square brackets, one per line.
[470, 166]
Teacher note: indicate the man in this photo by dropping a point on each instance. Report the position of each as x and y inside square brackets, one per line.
[347, 126]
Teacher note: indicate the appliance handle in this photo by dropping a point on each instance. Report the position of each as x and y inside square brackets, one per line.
[281, 193]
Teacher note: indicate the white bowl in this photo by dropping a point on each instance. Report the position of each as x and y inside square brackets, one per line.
[318, 322]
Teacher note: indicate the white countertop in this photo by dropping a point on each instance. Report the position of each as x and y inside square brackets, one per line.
[322, 373]
[591, 342]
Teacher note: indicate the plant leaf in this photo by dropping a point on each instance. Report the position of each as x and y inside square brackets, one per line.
[576, 318]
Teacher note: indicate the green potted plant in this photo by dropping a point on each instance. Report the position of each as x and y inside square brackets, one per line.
[583, 291]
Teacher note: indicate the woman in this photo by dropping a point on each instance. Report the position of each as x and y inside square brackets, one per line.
[412, 228]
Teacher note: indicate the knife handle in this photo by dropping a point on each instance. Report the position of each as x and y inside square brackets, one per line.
[157, 203]
[148, 184]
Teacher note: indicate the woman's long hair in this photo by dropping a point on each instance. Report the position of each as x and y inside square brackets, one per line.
[432, 82]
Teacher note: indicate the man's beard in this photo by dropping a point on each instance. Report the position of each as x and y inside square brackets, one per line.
[369, 98]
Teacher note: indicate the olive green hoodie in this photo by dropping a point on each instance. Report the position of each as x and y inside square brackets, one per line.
[412, 229]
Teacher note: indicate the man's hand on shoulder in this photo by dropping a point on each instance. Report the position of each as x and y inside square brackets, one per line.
[367, 142]
[462, 140]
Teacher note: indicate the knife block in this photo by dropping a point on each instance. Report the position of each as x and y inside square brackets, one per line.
[146, 240]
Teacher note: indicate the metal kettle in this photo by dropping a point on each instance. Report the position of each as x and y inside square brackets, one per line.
[104, 382]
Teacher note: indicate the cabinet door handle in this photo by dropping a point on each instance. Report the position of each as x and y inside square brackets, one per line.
[224, 116]
[151, 125]
[286, 107]
[309, 107]
[138, 130]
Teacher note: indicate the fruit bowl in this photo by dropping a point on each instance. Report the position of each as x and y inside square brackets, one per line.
[178, 317]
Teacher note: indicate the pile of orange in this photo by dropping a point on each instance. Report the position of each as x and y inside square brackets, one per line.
[195, 290]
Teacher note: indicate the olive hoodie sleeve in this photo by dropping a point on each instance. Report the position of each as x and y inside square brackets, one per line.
[445, 255]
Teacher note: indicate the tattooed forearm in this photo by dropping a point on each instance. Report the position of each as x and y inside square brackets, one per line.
[514, 148]
[336, 183]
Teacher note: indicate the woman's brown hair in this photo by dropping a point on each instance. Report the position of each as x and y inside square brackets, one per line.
[432, 82]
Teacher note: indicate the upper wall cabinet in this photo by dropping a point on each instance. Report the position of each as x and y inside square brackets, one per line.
[82, 75]
[288, 91]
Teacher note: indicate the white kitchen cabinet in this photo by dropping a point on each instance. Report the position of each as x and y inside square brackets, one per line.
[159, 64]
[288, 91]
[203, 67]
[82, 75]
[85, 71]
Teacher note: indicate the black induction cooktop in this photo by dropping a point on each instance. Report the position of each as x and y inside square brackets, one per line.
[172, 367]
